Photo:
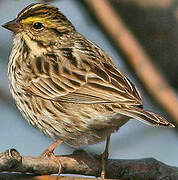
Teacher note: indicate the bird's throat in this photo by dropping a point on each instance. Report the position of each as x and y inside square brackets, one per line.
[34, 46]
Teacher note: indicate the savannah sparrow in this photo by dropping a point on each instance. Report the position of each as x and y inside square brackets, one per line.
[67, 86]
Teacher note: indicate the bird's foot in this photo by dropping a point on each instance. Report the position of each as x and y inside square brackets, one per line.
[49, 152]
[104, 158]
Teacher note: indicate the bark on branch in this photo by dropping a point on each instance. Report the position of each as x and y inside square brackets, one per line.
[82, 163]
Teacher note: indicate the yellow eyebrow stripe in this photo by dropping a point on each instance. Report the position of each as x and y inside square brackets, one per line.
[31, 20]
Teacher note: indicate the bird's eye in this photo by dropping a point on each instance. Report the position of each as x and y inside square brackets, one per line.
[38, 25]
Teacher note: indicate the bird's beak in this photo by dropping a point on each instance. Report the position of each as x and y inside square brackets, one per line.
[13, 26]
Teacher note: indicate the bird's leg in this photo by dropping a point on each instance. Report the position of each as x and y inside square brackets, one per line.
[104, 158]
[51, 148]
[49, 153]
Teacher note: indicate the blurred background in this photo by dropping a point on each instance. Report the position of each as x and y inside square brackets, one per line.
[154, 24]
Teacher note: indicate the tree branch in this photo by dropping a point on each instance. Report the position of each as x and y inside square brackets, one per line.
[153, 81]
[82, 163]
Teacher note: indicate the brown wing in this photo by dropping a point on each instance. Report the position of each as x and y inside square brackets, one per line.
[84, 74]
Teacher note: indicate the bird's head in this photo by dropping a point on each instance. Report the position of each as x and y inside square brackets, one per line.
[40, 22]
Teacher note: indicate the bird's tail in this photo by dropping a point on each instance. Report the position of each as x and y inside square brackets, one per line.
[147, 117]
